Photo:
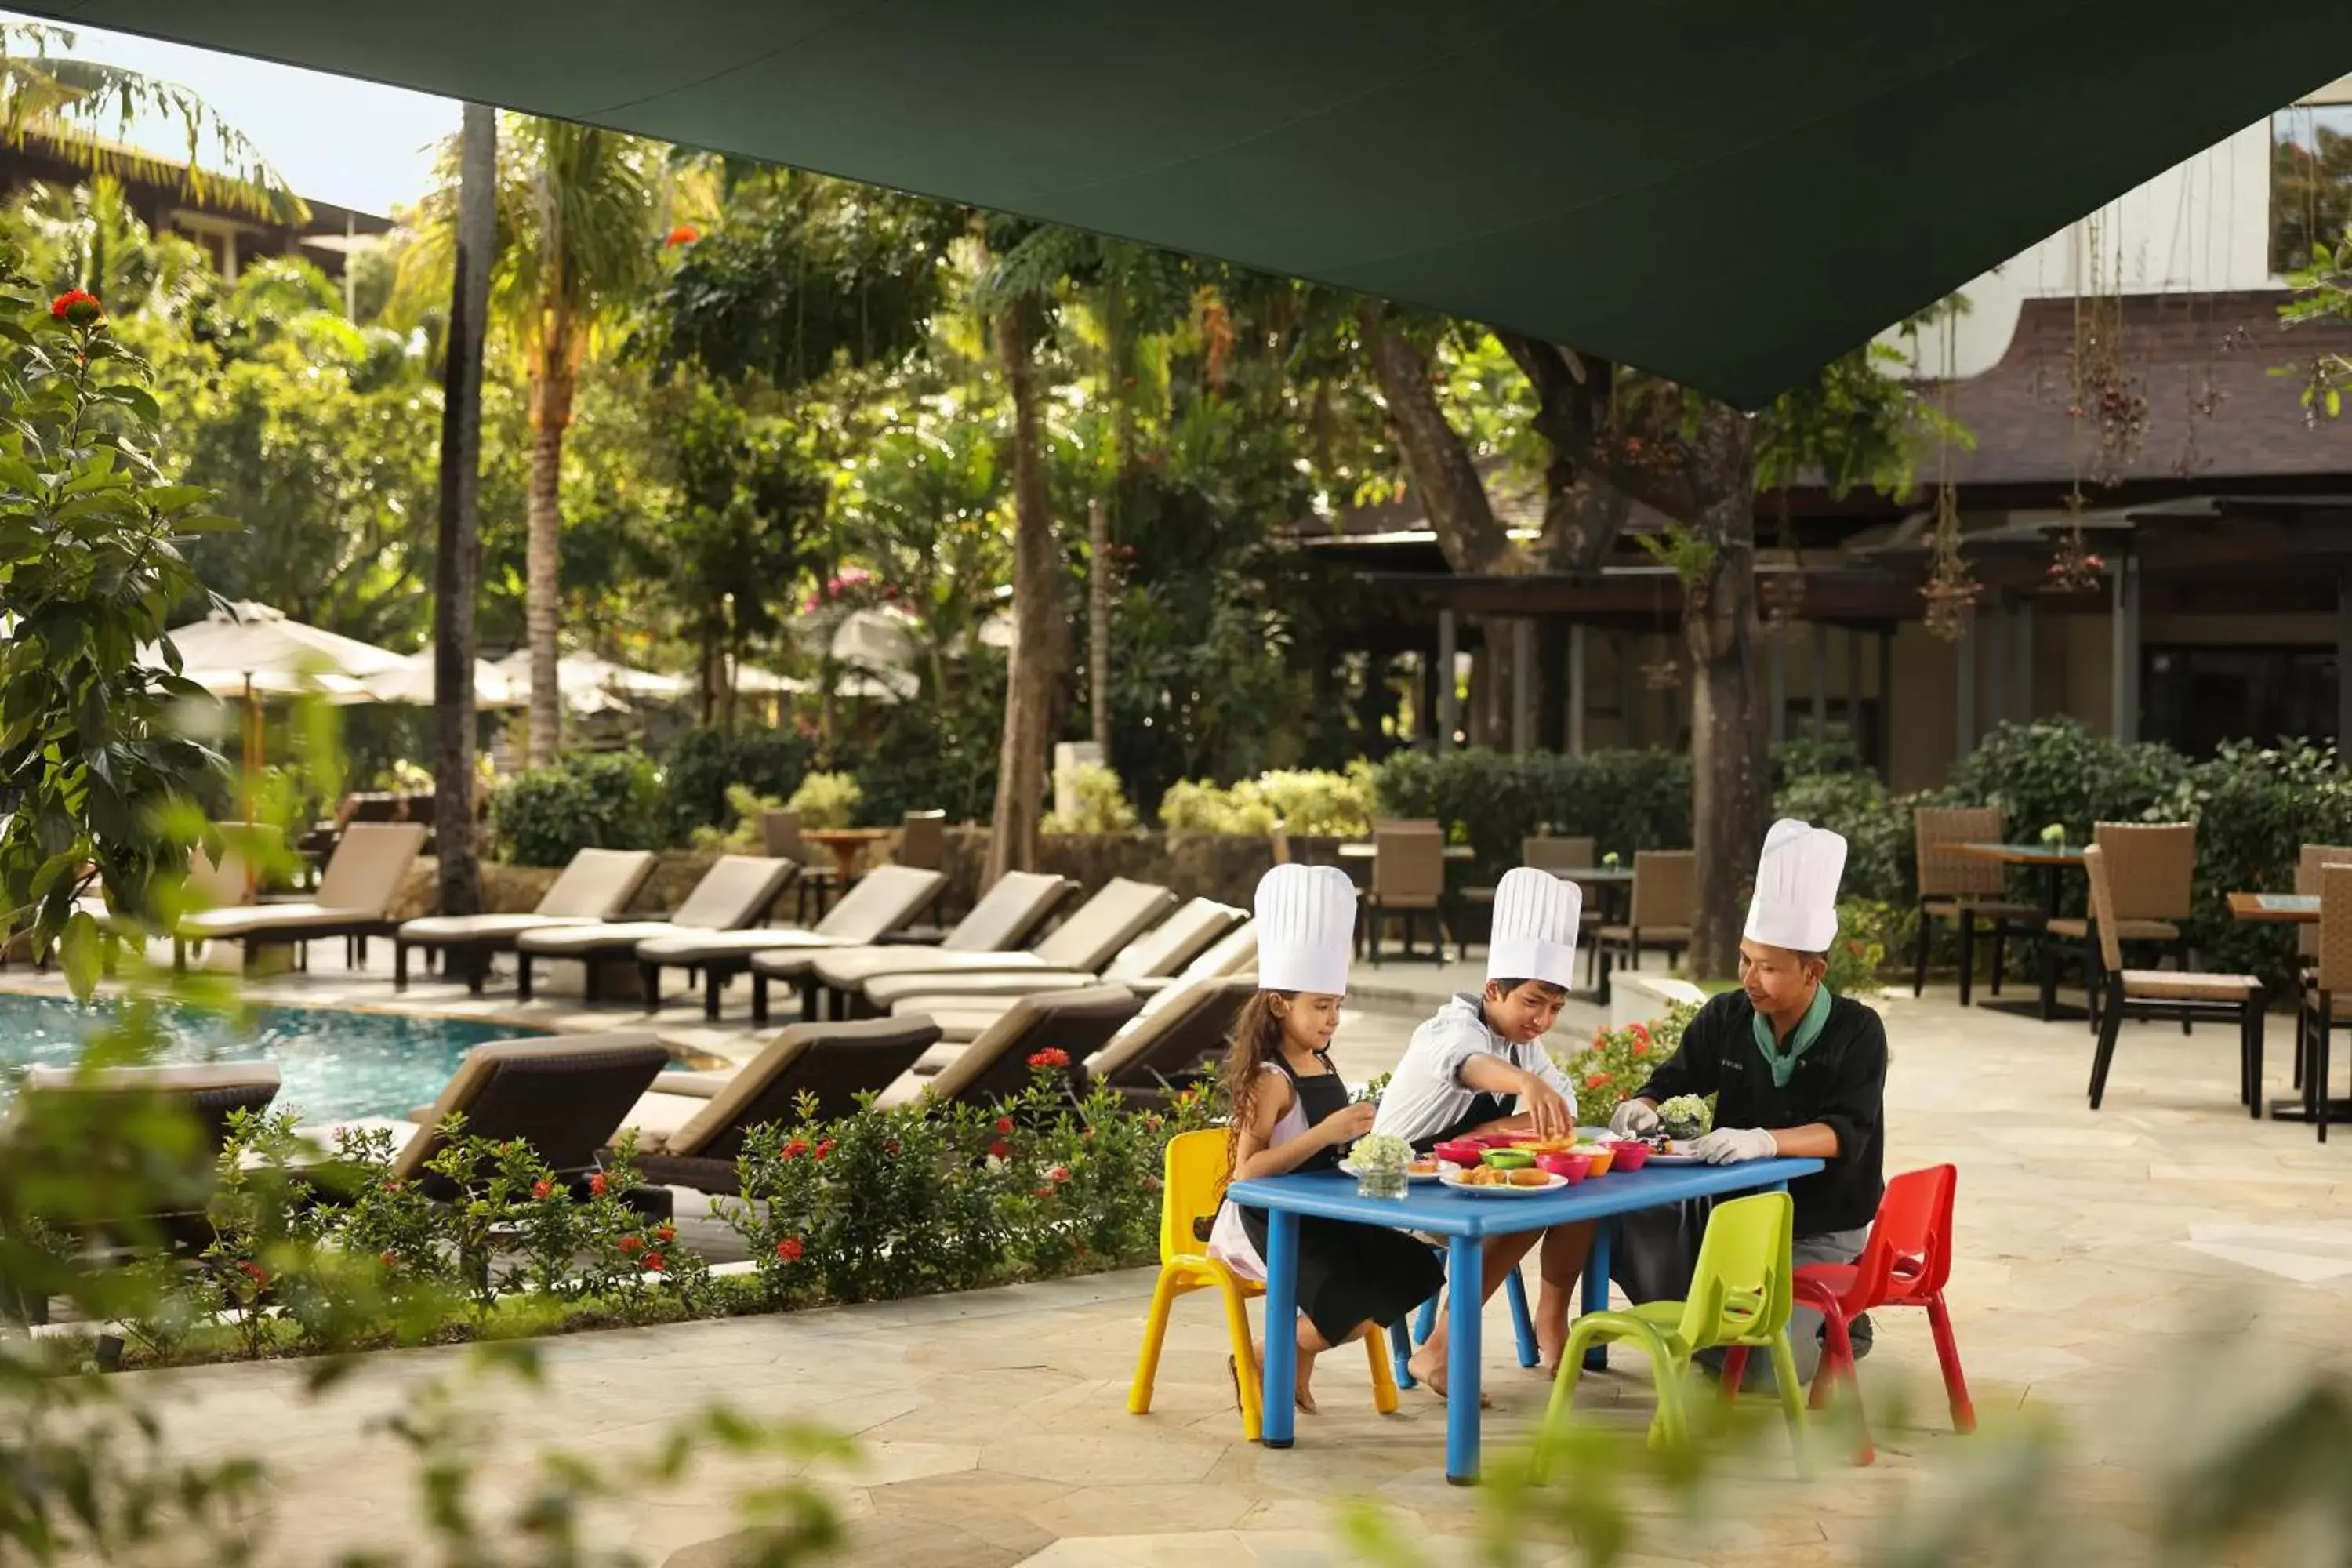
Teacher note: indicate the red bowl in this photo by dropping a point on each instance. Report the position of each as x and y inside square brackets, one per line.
[1575, 1167]
[1460, 1151]
[1631, 1156]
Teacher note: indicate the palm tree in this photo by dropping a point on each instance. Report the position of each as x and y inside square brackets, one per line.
[577, 208]
[72, 104]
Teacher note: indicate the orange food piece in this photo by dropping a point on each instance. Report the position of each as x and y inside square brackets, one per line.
[1530, 1178]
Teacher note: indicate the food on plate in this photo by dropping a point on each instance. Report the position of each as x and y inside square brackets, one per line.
[1509, 1158]
[1684, 1116]
[1531, 1177]
[1551, 1146]
[1422, 1168]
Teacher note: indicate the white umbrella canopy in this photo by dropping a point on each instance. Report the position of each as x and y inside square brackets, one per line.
[413, 684]
[257, 640]
[876, 639]
[592, 685]
[235, 685]
[751, 682]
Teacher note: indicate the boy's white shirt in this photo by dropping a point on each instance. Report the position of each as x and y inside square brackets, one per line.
[1426, 1095]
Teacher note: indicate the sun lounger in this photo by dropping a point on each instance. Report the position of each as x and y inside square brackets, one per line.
[883, 900]
[709, 1113]
[1077, 1023]
[596, 886]
[1014, 908]
[963, 1015]
[736, 892]
[355, 898]
[1159, 954]
[565, 1095]
[1085, 942]
[1169, 1042]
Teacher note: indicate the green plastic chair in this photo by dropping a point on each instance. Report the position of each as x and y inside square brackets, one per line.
[1739, 1296]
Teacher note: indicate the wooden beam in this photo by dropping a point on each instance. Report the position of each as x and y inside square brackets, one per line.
[1578, 672]
[1449, 696]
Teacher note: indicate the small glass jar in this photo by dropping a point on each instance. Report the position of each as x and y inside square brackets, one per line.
[1390, 1182]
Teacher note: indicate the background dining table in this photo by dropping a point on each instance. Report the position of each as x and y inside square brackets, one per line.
[2051, 861]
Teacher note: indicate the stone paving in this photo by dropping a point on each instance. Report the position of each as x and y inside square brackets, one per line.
[2099, 1256]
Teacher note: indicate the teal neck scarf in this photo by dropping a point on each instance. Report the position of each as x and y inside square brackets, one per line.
[1783, 1059]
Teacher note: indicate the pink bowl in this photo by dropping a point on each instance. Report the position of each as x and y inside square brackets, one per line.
[1460, 1151]
[1575, 1167]
[1632, 1156]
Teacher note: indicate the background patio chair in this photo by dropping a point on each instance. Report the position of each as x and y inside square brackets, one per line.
[1964, 889]
[2152, 882]
[2168, 992]
[1408, 881]
[1664, 908]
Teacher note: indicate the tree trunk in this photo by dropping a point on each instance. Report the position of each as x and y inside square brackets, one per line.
[550, 417]
[1731, 794]
[1040, 634]
[1099, 626]
[456, 546]
[1436, 460]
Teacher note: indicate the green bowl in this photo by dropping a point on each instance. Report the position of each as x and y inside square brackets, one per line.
[1509, 1158]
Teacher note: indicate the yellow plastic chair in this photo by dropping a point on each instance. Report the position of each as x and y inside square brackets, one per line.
[1192, 1185]
[1740, 1296]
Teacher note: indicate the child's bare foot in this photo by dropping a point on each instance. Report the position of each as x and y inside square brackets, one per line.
[1429, 1371]
[1305, 1400]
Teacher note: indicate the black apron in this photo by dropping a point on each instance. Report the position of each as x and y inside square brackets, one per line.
[1349, 1275]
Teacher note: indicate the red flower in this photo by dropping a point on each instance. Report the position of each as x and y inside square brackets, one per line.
[1005, 1124]
[1599, 1080]
[1638, 1031]
[1640, 1047]
[630, 1245]
[77, 305]
[1051, 1057]
[597, 1184]
[666, 1234]
[387, 1259]
[1058, 1174]
[1001, 1149]
[824, 1147]
[684, 234]
[542, 1191]
[790, 1250]
[796, 1148]
[653, 1263]
[395, 1185]
[254, 1272]
[1043, 1193]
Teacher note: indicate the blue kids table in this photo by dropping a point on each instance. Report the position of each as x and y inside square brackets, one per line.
[1465, 1220]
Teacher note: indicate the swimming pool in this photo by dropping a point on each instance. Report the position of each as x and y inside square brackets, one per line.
[337, 1064]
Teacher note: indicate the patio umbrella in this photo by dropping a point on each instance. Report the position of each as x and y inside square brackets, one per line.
[413, 684]
[257, 640]
[588, 684]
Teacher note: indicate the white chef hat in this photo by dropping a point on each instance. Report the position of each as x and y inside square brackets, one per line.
[1306, 929]
[1795, 905]
[1533, 935]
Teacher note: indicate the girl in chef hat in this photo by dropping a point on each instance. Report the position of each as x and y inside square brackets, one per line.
[1291, 1112]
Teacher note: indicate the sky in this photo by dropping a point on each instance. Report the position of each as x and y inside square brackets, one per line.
[352, 143]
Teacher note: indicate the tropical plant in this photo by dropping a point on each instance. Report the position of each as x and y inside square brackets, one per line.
[827, 800]
[1611, 1066]
[1099, 804]
[578, 233]
[95, 772]
[602, 800]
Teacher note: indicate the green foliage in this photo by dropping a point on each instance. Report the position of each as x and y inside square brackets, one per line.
[1866, 929]
[704, 766]
[1615, 1063]
[2056, 770]
[2255, 808]
[600, 800]
[1100, 803]
[1626, 800]
[93, 769]
[2323, 292]
[937, 754]
[827, 800]
[1303, 802]
[1830, 786]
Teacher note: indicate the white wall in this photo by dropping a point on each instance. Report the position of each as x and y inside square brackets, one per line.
[2201, 226]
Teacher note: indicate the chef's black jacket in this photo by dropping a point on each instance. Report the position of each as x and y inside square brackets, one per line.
[1841, 1081]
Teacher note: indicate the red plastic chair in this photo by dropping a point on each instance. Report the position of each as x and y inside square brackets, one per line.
[1906, 1264]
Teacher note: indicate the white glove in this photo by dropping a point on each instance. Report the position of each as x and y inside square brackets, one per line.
[1633, 1119]
[1728, 1145]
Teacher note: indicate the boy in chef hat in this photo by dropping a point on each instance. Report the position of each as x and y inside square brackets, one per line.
[1796, 1071]
[1480, 1066]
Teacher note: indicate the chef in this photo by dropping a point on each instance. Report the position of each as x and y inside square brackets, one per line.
[1796, 1070]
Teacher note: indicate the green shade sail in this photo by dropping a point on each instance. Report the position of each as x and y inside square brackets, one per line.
[1729, 194]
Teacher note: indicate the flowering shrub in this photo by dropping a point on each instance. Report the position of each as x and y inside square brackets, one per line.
[1617, 1062]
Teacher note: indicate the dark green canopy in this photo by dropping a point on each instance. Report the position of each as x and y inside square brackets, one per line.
[1726, 193]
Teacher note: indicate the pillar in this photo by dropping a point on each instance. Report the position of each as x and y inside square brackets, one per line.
[1629, 688]
[1523, 671]
[2124, 650]
[1996, 656]
[1853, 688]
[2344, 664]
[1887, 707]
[1449, 695]
[1577, 661]
[1779, 683]
[2023, 663]
[1821, 683]
[1964, 653]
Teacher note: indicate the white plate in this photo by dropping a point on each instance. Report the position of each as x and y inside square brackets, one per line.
[1482, 1190]
[1677, 1151]
[1348, 1168]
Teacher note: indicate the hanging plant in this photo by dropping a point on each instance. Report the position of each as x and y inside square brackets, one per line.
[1949, 592]
[2107, 390]
[2075, 570]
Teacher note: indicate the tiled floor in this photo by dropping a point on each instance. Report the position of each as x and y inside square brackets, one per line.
[2097, 1251]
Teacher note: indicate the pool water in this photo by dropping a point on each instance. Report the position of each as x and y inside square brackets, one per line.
[337, 1065]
